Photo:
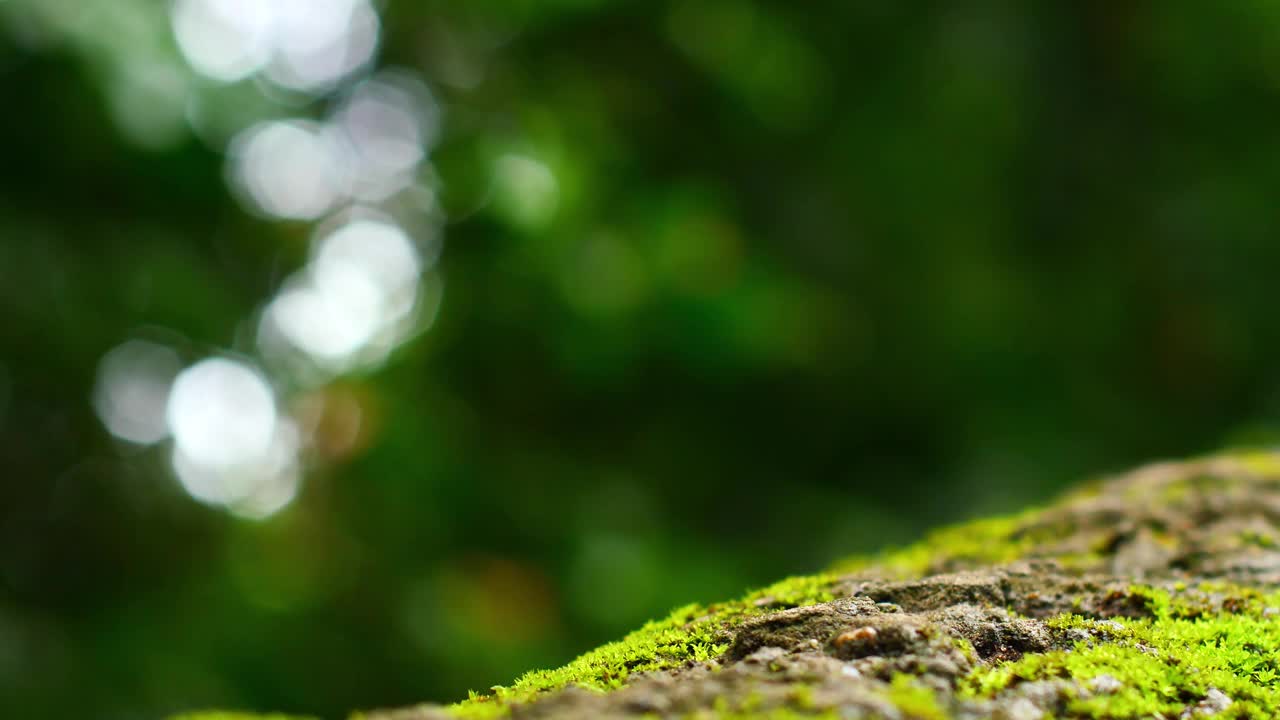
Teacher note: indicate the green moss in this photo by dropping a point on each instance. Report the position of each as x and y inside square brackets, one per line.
[966, 649]
[691, 634]
[1188, 641]
[980, 542]
[1260, 539]
[478, 707]
[1184, 642]
[801, 697]
[916, 701]
[697, 633]
[999, 540]
[1189, 644]
[1263, 463]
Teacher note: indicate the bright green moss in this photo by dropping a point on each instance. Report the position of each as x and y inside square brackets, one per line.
[1260, 539]
[1208, 636]
[916, 701]
[688, 634]
[980, 542]
[477, 708]
[1263, 463]
[693, 633]
[1163, 662]
[801, 697]
[696, 633]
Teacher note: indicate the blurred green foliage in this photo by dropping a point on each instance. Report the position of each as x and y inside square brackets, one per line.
[732, 289]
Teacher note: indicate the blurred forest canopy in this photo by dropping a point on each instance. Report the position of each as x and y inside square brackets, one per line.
[691, 296]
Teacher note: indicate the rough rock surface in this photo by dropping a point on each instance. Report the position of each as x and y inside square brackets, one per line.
[1153, 594]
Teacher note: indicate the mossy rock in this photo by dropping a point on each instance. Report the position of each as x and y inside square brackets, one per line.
[1155, 594]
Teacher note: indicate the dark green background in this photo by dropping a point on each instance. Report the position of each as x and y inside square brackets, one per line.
[821, 275]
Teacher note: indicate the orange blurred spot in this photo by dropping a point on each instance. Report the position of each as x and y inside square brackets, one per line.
[500, 600]
[341, 420]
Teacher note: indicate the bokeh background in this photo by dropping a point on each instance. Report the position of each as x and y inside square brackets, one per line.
[362, 353]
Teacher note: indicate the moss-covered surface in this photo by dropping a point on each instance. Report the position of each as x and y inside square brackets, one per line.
[1157, 665]
[1153, 594]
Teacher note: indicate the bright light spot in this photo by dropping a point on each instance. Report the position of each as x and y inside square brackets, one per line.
[226, 40]
[222, 414]
[271, 496]
[231, 449]
[132, 390]
[387, 124]
[526, 190]
[319, 42]
[306, 45]
[254, 489]
[332, 324]
[290, 170]
[362, 282]
[370, 150]
[378, 250]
